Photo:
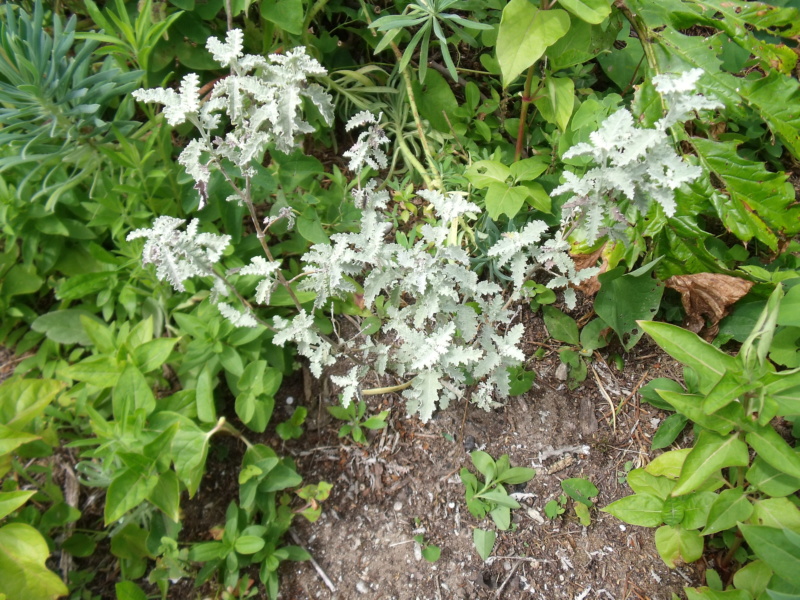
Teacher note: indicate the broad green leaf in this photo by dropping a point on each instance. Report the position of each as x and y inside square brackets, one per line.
[503, 199]
[485, 464]
[248, 544]
[206, 551]
[524, 35]
[789, 312]
[561, 326]
[639, 509]
[151, 355]
[11, 501]
[288, 15]
[500, 497]
[774, 450]
[484, 542]
[131, 393]
[584, 42]
[753, 578]
[280, 478]
[101, 371]
[580, 489]
[166, 495]
[649, 391]
[676, 543]
[528, 169]
[730, 507]
[777, 512]
[591, 11]
[673, 511]
[624, 299]
[711, 453]
[128, 490]
[689, 349]
[20, 280]
[643, 482]
[501, 515]
[22, 400]
[11, 439]
[80, 286]
[706, 593]
[23, 574]
[128, 590]
[483, 173]
[771, 481]
[728, 389]
[431, 553]
[691, 405]
[557, 102]
[189, 452]
[100, 334]
[773, 546]
[696, 509]
[516, 475]
[668, 431]
[204, 396]
[669, 464]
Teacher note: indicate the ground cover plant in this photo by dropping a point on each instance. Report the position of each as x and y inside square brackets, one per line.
[374, 194]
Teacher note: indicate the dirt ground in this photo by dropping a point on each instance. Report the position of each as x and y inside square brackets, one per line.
[406, 483]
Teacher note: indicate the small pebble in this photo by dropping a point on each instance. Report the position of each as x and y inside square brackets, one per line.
[362, 587]
[398, 506]
[289, 399]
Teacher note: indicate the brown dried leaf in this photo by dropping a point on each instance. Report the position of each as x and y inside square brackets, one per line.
[583, 261]
[708, 295]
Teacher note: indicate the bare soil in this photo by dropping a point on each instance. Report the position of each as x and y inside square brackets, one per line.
[406, 482]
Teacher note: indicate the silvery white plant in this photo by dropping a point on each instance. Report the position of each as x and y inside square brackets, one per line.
[635, 166]
[442, 325]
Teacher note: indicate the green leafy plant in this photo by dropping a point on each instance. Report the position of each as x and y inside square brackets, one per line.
[355, 421]
[581, 491]
[54, 100]
[490, 496]
[430, 16]
[556, 507]
[291, 429]
[430, 552]
[731, 489]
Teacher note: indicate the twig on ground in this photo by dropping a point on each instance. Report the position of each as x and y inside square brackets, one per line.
[314, 563]
[510, 575]
[635, 389]
[606, 396]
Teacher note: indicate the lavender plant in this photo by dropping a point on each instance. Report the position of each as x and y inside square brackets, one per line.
[443, 327]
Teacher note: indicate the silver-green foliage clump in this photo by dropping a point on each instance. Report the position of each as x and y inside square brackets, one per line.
[442, 325]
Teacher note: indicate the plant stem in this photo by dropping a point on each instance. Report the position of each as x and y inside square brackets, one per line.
[312, 12]
[387, 390]
[225, 427]
[523, 115]
[409, 156]
[436, 181]
[642, 31]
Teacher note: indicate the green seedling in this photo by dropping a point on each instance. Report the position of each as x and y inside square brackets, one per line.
[490, 496]
[581, 491]
[354, 415]
[556, 507]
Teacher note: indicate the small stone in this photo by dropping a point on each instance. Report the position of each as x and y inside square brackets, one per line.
[398, 506]
[289, 399]
[362, 588]
[561, 372]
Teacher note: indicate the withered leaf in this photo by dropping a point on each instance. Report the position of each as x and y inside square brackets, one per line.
[708, 296]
